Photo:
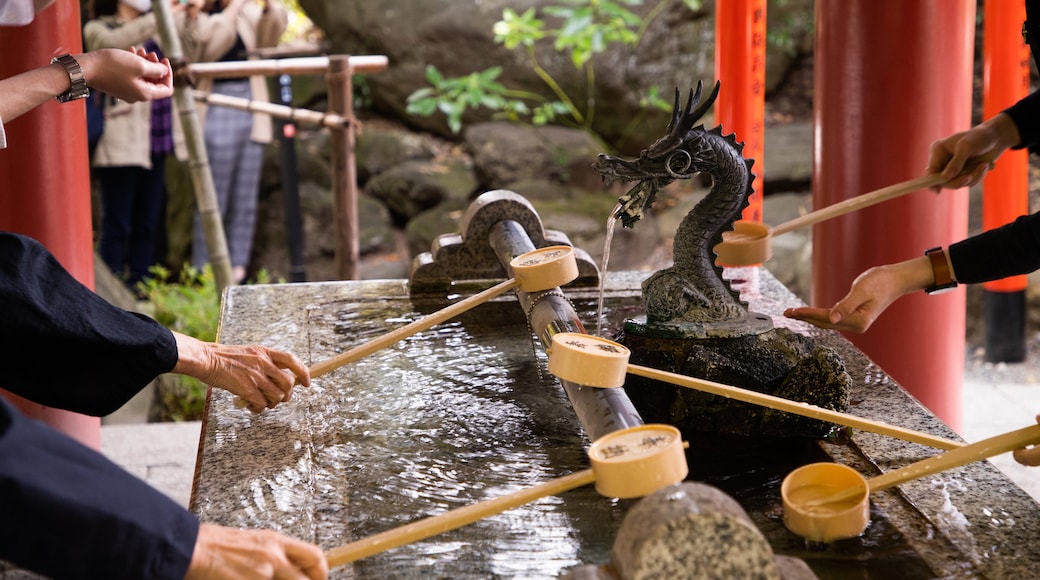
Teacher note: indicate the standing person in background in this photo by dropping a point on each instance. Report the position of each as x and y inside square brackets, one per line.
[130, 158]
[235, 139]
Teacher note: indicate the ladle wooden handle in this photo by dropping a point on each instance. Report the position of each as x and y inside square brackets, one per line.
[859, 202]
[804, 409]
[967, 454]
[424, 323]
[361, 351]
[453, 519]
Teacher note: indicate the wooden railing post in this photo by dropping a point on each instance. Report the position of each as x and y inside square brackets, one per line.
[344, 172]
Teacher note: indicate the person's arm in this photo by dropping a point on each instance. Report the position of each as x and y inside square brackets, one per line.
[272, 23]
[97, 34]
[78, 515]
[1016, 127]
[871, 293]
[68, 512]
[212, 34]
[128, 75]
[1009, 250]
[1025, 114]
[64, 346]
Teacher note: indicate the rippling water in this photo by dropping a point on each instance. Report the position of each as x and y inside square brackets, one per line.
[467, 412]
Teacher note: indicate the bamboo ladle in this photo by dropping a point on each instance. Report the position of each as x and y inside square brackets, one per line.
[824, 502]
[628, 463]
[749, 242]
[597, 362]
[533, 271]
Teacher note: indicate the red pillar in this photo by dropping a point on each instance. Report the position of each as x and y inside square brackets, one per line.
[891, 77]
[1005, 75]
[740, 64]
[45, 176]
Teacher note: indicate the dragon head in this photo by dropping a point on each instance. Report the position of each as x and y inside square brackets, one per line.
[677, 155]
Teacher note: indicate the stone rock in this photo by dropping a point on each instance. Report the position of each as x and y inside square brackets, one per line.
[381, 146]
[412, 187]
[692, 531]
[271, 249]
[425, 227]
[507, 153]
[819, 378]
[761, 363]
[675, 50]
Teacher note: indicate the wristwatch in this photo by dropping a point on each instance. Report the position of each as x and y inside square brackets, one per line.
[940, 271]
[78, 84]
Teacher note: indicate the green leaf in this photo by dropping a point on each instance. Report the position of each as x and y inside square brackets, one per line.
[423, 93]
[433, 76]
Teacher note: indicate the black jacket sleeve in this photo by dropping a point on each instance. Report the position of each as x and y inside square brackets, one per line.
[1026, 116]
[1009, 250]
[62, 345]
[68, 512]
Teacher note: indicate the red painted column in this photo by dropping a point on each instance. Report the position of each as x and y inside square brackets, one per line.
[891, 77]
[1005, 188]
[740, 64]
[45, 175]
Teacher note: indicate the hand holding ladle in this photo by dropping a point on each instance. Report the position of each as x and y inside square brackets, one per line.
[533, 271]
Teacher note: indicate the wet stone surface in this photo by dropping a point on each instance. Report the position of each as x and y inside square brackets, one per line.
[466, 411]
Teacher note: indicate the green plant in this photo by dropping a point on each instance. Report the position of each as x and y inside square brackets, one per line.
[188, 304]
[587, 28]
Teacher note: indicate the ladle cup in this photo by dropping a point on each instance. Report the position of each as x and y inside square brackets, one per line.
[749, 242]
[533, 271]
[824, 502]
[598, 362]
[628, 463]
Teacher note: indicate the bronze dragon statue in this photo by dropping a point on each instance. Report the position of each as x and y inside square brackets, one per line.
[696, 323]
[692, 290]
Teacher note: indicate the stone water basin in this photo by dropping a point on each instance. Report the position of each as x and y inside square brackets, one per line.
[466, 411]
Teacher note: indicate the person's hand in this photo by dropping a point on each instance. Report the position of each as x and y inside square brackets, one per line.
[249, 554]
[964, 158]
[131, 75]
[1029, 455]
[254, 373]
[871, 293]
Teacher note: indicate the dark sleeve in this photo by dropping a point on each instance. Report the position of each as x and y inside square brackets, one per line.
[68, 512]
[1026, 116]
[1009, 250]
[62, 345]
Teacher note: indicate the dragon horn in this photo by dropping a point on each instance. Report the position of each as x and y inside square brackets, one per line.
[675, 114]
[703, 108]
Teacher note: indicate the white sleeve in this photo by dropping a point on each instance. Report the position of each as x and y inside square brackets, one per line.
[16, 12]
[3, 136]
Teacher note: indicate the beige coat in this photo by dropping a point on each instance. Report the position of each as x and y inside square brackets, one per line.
[216, 35]
[127, 137]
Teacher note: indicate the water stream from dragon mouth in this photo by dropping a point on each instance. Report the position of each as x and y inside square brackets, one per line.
[611, 222]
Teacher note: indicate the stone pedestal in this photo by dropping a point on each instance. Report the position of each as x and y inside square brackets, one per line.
[467, 411]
